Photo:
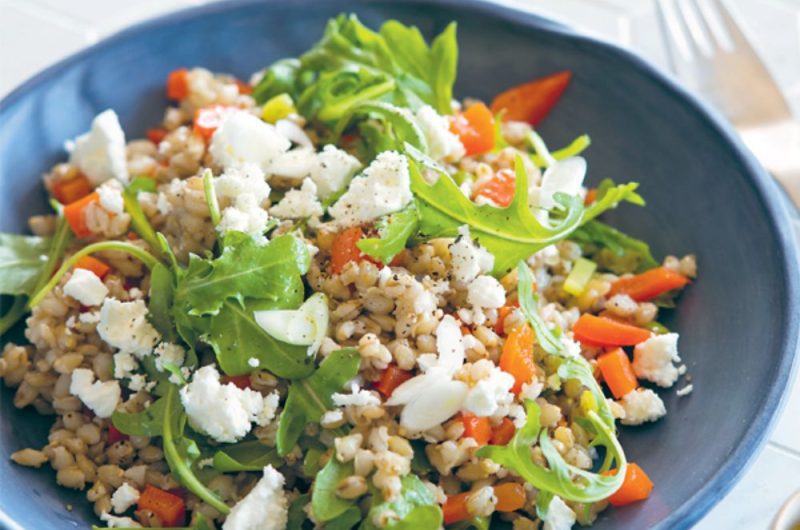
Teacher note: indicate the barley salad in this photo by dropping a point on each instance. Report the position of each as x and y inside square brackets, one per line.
[335, 297]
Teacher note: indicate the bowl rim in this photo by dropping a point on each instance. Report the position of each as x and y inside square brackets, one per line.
[763, 185]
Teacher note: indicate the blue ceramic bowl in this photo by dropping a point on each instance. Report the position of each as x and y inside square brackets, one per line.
[738, 322]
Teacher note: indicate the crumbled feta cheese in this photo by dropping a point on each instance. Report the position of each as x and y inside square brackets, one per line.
[485, 292]
[169, 353]
[163, 205]
[124, 325]
[244, 216]
[242, 138]
[100, 153]
[244, 179]
[336, 168]
[124, 497]
[298, 204]
[89, 317]
[118, 522]
[295, 165]
[442, 143]
[357, 397]
[110, 193]
[383, 188]
[490, 393]
[559, 515]
[531, 390]
[253, 362]
[294, 133]
[332, 417]
[101, 397]
[653, 358]
[641, 405]
[264, 508]
[449, 345]
[124, 365]
[224, 412]
[138, 382]
[467, 258]
[86, 287]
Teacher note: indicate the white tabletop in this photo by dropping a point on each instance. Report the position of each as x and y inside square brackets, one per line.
[36, 33]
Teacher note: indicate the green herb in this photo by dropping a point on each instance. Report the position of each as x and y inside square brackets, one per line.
[500, 142]
[311, 465]
[578, 145]
[200, 523]
[22, 260]
[139, 222]
[610, 195]
[324, 501]
[419, 462]
[162, 291]
[657, 327]
[214, 301]
[394, 231]
[529, 305]
[579, 276]
[298, 519]
[352, 64]
[616, 251]
[211, 196]
[476, 523]
[415, 507]
[149, 422]
[245, 456]
[181, 452]
[510, 234]
[347, 520]
[310, 398]
[389, 128]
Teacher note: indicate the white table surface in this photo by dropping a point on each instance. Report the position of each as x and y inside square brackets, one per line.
[36, 33]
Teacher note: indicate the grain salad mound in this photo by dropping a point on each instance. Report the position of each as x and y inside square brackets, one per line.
[336, 297]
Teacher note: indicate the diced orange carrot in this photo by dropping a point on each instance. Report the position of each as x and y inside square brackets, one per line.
[178, 84]
[531, 102]
[510, 496]
[169, 507]
[617, 372]
[503, 432]
[391, 378]
[500, 188]
[208, 119]
[601, 331]
[455, 508]
[67, 191]
[239, 381]
[345, 249]
[636, 487]
[650, 284]
[502, 313]
[156, 135]
[517, 357]
[75, 212]
[244, 88]
[475, 129]
[93, 264]
[478, 428]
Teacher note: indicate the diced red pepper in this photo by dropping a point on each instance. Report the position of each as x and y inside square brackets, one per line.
[391, 378]
[93, 264]
[500, 188]
[178, 84]
[156, 135]
[455, 508]
[239, 381]
[67, 191]
[532, 101]
[503, 432]
[477, 427]
[208, 119]
[114, 435]
[75, 214]
[345, 249]
[649, 284]
[169, 508]
[601, 331]
[636, 487]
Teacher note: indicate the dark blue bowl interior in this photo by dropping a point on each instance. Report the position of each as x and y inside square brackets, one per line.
[738, 322]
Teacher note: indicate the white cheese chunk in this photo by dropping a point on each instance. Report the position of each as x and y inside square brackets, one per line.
[244, 216]
[264, 508]
[244, 139]
[244, 179]
[442, 143]
[124, 365]
[299, 203]
[383, 188]
[86, 287]
[124, 325]
[653, 359]
[124, 497]
[485, 292]
[468, 258]
[101, 397]
[169, 353]
[641, 405]
[110, 193]
[118, 522]
[224, 412]
[357, 397]
[491, 392]
[559, 515]
[100, 153]
[336, 169]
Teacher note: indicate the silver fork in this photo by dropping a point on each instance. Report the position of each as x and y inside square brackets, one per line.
[712, 56]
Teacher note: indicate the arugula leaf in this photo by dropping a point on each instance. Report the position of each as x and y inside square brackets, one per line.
[200, 523]
[610, 195]
[162, 291]
[181, 452]
[510, 233]
[310, 398]
[415, 507]
[245, 456]
[347, 520]
[576, 147]
[297, 519]
[311, 460]
[389, 128]
[139, 222]
[324, 501]
[394, 230]
[352, 64]
[529, 305]
[214, 301]
[149, 422]
[618, 252]
[477, 523]
[22, 259]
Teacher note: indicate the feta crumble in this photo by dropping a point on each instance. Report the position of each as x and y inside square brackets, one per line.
[357, 397]
[101, 397]
[468, 258]
[244, 139]
[653, 359]
[641, 405]
[124, 365]
[124, 497]
[264, 508]
[110, 193]
[246, 215]
[118, 522]
[169, 353]
[124, 325]
[490, 393]
[485, 292]
[336, 168]
[100, 152]
[559, 515]
[224, 412]
[86, 287]
[442, 143]
[299, 203]
[383, 188]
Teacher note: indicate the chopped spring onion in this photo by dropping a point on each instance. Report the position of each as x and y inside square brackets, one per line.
[657, 327]
[541, 149]
[305, 326]
[211, 196]
[577, 146]
[579, 276]
[278, 108]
